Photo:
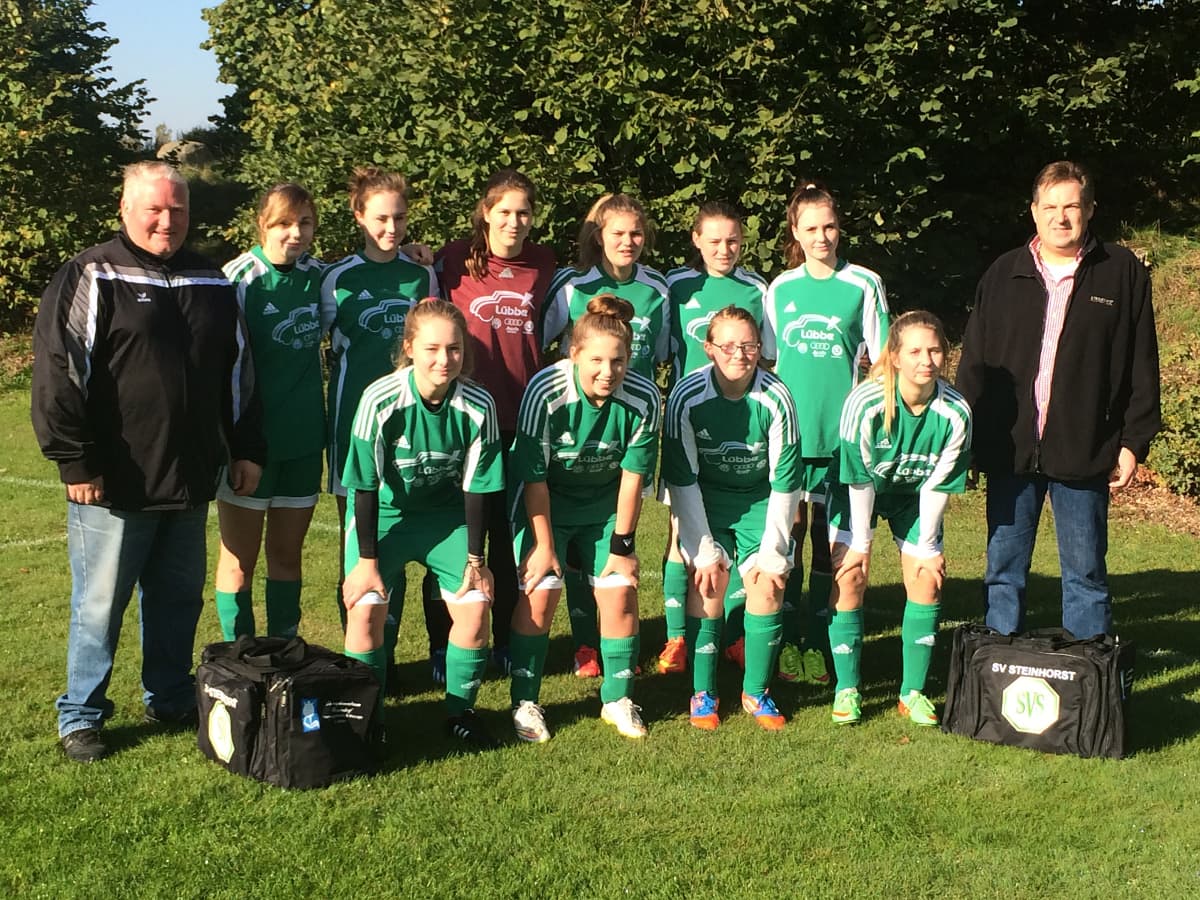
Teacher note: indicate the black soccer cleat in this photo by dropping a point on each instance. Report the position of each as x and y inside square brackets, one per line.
[469, 728]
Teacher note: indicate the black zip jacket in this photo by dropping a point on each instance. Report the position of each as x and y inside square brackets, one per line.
[140, 375]
[1104, 394]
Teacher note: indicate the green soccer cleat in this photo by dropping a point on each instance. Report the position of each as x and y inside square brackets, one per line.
[815, 671]
[847, 707]
[917, 708]
[791, 664]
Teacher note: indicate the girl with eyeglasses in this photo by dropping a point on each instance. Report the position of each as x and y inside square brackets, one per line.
[731, 467]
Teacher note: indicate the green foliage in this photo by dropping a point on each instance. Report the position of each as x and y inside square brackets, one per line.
[65, 130]
[1175, 453]
[928, 117]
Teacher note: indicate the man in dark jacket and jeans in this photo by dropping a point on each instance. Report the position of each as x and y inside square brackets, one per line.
[135, 346]
[1060, 366]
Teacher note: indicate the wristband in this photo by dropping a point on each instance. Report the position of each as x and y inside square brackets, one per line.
[621, 544]
[474, 562]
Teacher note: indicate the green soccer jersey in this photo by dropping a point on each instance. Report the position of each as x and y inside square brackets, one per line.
[695, 298]
[818, 330]
[364, 304]
[738, 451]
[646, 290]
[421, 460]
[281, 309]
[930, 451]
[579, 450]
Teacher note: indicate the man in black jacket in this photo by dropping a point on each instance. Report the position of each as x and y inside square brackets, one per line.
[1060, 366]
[135, 346]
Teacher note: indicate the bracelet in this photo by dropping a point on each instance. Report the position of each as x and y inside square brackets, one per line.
[621, 544]
[474, 562]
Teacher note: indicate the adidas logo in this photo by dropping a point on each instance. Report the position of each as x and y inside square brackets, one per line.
[672, 603]
[624, 674]
[270, 309]
[522, 673]
[471, 685]
[703, 433]
[739, 594]
[403, 443]
[577, 613]
[884, 443]
[790, 308]
[365, 295]
[506, 272]
[774, 643]
[566, 438]
[842, 650]
[788, 605]
[708, 648]
[143, 297]
[928, 641]
[692, 304]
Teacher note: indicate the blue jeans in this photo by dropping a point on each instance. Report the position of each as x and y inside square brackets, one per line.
[163, 553]
[1014, 504]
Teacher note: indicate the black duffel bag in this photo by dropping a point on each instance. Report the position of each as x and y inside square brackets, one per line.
[286, 712]
[1044, 690]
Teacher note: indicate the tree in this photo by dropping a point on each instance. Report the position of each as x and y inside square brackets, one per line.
[65, 130]
[927, 117]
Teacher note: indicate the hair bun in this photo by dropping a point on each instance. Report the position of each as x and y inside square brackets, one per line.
[611, 305]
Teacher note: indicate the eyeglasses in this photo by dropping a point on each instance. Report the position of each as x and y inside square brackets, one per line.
[748, 349]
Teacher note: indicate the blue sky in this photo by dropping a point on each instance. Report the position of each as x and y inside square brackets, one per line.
[160, 42]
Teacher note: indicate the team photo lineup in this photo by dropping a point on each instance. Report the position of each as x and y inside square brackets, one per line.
[501, 418]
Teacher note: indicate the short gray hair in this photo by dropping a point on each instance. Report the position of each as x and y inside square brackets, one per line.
[151, 170]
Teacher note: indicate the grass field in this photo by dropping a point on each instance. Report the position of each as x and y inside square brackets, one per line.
[883, 810]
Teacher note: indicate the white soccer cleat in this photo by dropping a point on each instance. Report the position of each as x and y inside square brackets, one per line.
[530, 721]
[625, 716]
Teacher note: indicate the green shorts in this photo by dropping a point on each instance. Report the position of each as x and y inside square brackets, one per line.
[902, 512]
[436, 541]
[286, 484]
[814, 478]
[590, 544]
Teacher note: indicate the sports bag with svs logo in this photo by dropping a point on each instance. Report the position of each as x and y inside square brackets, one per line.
[1044, 690]
[286, 712]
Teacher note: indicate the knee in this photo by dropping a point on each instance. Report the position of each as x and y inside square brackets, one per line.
[233, 570]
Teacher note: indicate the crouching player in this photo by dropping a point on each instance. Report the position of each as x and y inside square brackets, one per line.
[424, 450]
[731, 466]
[903, 449]
[587, 440]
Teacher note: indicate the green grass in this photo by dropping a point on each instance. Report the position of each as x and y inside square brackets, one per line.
[883, 810]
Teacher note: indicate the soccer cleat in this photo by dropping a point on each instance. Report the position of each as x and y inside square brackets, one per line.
[815, 671]
[762, 707]
[625, 716]
[530, 721]
[673, 657]
[847, 707]
[791, 664]
[437, 665]
[703, 711]
[736, 653]
[469, 728]
[917, 708]
[84, 746]
[587, 662]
